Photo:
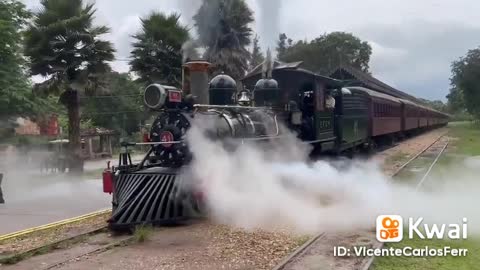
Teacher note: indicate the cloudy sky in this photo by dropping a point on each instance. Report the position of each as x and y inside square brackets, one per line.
[413, 42]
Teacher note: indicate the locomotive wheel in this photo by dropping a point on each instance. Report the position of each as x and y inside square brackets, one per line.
[171, 127]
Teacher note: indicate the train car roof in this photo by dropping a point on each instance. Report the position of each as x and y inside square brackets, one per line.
[422, 106]
[295, 67]
[373, 93]
[406, 101]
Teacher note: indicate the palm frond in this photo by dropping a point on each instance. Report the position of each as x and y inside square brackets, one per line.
[63, 43]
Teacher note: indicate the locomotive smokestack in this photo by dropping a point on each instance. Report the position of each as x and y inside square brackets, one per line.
[195, 80]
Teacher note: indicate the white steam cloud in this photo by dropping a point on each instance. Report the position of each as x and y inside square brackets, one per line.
[253, 188]
[269, 22]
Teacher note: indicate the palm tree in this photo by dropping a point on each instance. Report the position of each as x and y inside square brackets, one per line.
[157, 53]
[63, 45]
[224, 31]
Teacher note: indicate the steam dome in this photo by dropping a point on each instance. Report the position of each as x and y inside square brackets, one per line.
[266, 93]
[264, 84]
[222, 90]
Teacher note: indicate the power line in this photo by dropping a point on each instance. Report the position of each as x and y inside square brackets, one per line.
[110, 113]
[117, 96]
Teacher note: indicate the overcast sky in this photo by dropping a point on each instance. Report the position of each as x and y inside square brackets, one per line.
[413, 42]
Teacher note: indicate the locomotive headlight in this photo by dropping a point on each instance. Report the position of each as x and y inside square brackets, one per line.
[155, 96]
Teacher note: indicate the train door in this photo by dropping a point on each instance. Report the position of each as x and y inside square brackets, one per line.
[307, 107]
[325, 106]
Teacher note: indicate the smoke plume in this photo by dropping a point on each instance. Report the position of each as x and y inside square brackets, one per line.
[28, 187]
[269, 22]
[188, 9]
[252, 188]
[190, 51]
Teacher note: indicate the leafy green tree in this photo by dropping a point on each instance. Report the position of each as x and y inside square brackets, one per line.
[16, 96]
[455, 102]
[257, 55]
[466, 80]
[121, 109]
[64, 46]
[224, 31]
[282, 45]
[435, 104]
[157, 51]
[15, 91]
[328, 52]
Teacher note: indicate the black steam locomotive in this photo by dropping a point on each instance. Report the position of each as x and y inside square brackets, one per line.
[150, 192]
[320, 110]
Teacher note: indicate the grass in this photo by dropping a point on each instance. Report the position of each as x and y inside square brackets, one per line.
[467, 136]
[142, 233]
[466, 142]
[300, 240]
[469, 262]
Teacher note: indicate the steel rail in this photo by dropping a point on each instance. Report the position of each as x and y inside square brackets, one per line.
[90, 252]
[431, 166]
[299, 250]
[53, 225]
[369, 263]
[416, 156]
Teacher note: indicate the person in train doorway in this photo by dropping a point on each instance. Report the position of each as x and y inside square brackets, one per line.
[329, 101]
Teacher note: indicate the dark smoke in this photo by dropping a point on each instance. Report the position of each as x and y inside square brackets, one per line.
[188, 9]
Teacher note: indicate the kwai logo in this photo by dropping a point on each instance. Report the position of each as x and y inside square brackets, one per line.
[389, 228]
[434, 231]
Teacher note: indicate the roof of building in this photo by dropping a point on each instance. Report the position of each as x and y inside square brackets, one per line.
[276, 65]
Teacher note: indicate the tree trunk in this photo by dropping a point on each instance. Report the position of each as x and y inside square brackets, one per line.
[72, 103]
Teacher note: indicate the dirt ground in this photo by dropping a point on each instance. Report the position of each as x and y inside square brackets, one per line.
[393, 158]
[209, 246]
[201, 246]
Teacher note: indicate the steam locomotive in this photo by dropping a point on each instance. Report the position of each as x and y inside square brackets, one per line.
[322, 111]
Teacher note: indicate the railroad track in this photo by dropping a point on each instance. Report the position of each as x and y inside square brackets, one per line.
[18, 256]
[433, 152]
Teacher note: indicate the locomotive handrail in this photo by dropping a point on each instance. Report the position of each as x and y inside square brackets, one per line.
[155, 143]
[228, 107]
